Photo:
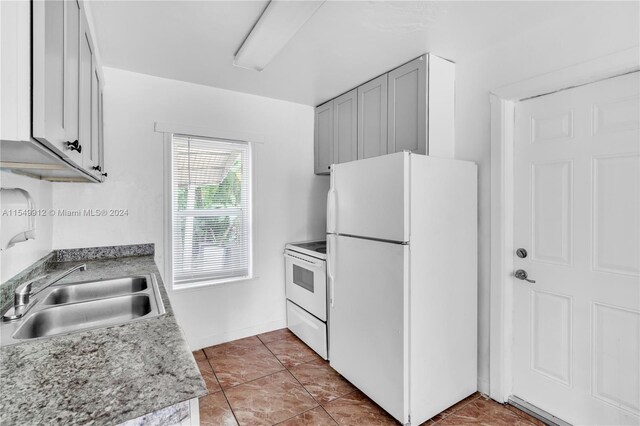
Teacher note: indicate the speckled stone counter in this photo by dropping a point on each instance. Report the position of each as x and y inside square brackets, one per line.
[99, 377]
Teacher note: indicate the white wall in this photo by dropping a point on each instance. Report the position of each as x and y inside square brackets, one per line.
[289, 198]
[22, 255]
[555, 44]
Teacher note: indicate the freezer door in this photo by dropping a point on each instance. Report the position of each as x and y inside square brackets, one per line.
[370, 198]
[368, 319]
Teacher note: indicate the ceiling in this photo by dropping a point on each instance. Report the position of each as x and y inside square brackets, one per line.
[344, 44]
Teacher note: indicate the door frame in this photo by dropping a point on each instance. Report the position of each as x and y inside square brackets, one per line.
[503, 102]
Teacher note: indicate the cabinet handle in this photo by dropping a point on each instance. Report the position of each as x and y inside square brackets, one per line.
[74, 146]
[104, 174]
[98, 168]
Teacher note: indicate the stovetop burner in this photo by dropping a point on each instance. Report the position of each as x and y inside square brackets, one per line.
[312, 248]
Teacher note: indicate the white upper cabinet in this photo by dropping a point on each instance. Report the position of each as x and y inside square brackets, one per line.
[71, 76]
[410, 108]
[86, 83]
[372, 118]
[55, 52]
[60, 139]
[323, 138]
[90, 84]
[345, 126]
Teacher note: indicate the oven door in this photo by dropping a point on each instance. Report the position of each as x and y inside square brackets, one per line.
[306, 283]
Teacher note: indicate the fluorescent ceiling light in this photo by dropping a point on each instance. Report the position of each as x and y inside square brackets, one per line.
[279, 22]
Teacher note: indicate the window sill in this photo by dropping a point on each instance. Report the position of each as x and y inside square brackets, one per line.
[198, 285]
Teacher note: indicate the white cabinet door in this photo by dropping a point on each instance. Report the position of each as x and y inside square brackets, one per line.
[71, 82]
[55, 74]
[323, 138]
[95, 149]
[368, 322]
[576, 347]
[101, 134]
[372, 118]
[86, 77]
[407, 108]
[345, 125]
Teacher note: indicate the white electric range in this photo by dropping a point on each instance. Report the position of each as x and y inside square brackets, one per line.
[306, 291]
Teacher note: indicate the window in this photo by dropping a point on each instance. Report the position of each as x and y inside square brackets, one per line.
[211, 210]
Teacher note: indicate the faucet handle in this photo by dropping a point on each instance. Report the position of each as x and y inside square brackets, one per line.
[23, 291]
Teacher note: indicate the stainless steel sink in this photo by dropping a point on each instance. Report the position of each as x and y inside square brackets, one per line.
[90, 290]
[80, 316]
[74, 307]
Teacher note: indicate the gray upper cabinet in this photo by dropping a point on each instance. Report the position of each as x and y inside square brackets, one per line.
[55, 75]
[345, 125]
[407, 107]
[372, 118]
[323, 138]
[410, 108]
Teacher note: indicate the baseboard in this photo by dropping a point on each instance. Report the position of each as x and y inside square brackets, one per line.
[483, 385]
[215, 339]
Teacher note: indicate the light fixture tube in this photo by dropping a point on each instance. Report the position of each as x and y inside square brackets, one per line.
[279, 22]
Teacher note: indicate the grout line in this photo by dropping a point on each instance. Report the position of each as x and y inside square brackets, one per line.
[233, 413]
[261, 377]
[296, 415]
[230, 407]
[274, 340]
[329, 414]
[301, 385]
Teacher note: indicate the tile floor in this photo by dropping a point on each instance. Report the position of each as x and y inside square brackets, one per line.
[275, 379]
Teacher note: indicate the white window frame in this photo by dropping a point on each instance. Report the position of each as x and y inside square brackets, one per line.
[168, 130]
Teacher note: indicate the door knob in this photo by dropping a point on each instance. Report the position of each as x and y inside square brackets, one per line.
[521, 274]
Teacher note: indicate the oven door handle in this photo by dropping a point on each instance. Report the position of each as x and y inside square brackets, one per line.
[316, 265]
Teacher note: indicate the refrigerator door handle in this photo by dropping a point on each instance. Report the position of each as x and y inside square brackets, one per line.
[330, 266]
[332, 198]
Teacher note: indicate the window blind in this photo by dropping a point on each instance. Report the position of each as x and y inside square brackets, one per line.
[211, 210]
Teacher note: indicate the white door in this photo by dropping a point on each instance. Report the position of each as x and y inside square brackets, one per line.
[368, 319]
[576, 336]
[370, 198]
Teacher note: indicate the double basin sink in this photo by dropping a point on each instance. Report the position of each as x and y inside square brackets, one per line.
[73, 307]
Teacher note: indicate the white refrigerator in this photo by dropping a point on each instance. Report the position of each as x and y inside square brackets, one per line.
[402, 274]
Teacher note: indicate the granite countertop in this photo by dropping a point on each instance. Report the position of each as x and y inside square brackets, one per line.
[104, 376]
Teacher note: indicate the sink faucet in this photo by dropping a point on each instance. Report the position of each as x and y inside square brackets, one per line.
[24, 292]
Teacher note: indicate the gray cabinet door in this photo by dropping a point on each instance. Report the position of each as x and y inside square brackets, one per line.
[55, 74]
[323, 138]
[407, 108]
[372, 118]
[345, 127]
